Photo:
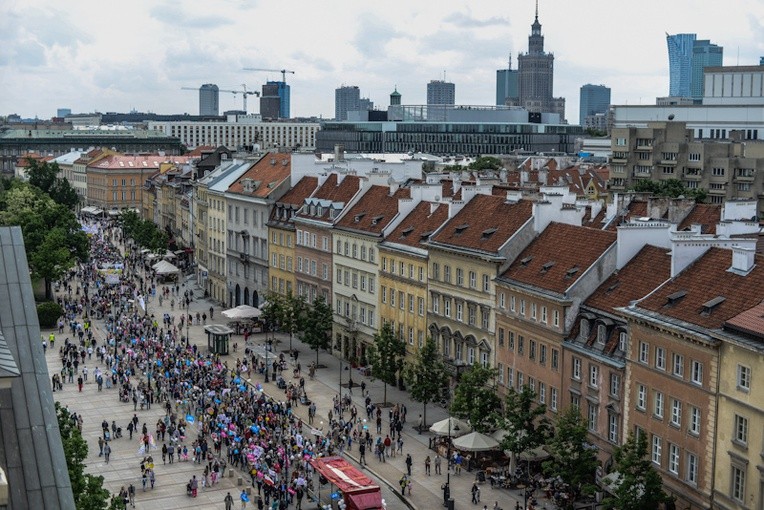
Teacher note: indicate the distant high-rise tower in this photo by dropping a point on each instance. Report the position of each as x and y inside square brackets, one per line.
[506, 84]
[441, 92]
[395, 97]
[209, 100]
[594, 99]
[680, 63]
[536, 75]
[346, 99]
[704, 54]
[270, 101]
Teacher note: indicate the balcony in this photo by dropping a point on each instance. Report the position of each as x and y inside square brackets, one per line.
[693, 176]
[668, 162]
[244, 258]
[619, 160]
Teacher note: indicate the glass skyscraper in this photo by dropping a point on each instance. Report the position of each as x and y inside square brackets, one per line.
[594, 99]
[680, 47]
[704, 54]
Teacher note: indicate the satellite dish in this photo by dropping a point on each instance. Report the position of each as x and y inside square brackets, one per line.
[671, 117]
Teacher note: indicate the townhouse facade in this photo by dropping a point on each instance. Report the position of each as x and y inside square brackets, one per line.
[249, 201]
[282, 236]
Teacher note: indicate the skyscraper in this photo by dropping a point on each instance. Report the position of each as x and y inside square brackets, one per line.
[536, 76]
[284, 100]
[209, 100]
[680, 63]
[594, 99]
[441, 92]
[270, 101]
[346, 98]
[506, 84]
[704, 54]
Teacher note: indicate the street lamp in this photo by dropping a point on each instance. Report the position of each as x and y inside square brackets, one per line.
[266, 357]
[447, 488]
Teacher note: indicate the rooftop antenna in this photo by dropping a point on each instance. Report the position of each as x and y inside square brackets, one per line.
[510, 61]
[444, 75]
[537, 10]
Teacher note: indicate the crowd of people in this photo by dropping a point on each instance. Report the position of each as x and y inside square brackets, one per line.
[211, 414]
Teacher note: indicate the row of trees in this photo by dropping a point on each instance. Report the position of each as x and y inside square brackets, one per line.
[672, 188]
[145, 233]
[44, 209]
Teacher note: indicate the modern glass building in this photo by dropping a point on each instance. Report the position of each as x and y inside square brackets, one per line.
[441, 92]
[346, 99]
[209, 97]
[594, 99]
[704, 54]
[506, 85]
[680, 63]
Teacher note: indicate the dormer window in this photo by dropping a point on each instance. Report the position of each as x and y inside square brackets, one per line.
[526, 261]
[546, 267]
[358, 217]
[601, 333]
[461, 228]
[675, 297]
[709, 306]
[571, 272]
[584, 327]
[320, 211]
[487, 233]
[407, 231]
[376, 219]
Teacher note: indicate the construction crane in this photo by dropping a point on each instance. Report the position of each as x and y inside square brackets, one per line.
[244, 92]
[282, 71]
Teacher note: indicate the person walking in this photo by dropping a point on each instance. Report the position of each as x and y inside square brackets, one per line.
[362, 453]
[408, 464]
[437, 464]
[106, 452]
[100, 446]
[131, 495]
[228, 500]
[244, 499]
[475, 493]
[427, 465]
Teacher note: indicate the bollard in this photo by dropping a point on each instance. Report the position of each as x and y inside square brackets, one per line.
[230, 473]
[240, 482]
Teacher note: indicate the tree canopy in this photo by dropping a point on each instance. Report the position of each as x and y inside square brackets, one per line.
[44, 175]
[525, 421]
[670, 188]
[475, 398]
[144, 232]
[638, 484]
[386, 356]
[426, 375]
[485, 163]
[314, 321]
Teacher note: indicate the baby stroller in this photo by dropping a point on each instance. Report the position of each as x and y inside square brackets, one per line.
[106, 435]
[281, 383]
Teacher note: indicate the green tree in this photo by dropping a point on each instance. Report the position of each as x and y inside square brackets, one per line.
[525, 421]
[295, 314]
[573, 459]
[426, 376]
[669, 188]
[638, 485]
[272, 311]
[316, 324]
[53, 238]
[144, 233]
[44, 175]
[386, 356]
[485, 163]
[475, 400]
[88, 490]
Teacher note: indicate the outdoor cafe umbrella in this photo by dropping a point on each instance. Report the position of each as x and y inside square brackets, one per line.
[242, 312]
[458, 427]
[476, 442]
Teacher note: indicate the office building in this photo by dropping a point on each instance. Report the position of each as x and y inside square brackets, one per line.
[536, 76]
[441, 92]
[284, 99]
[270, 101]
[594, 99]
[680, 63]
[209, 99]
[506, 84]
[704, 54]
[63, 112]
[346, 99]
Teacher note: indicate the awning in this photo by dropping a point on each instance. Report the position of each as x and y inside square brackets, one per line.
[364, 500]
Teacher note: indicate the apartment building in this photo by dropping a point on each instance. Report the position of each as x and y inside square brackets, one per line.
[249, 201]
[281, 235]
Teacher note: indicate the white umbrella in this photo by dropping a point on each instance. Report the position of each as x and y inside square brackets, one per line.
[476, 442]
[242, 312]
[163, 267]
[458, 427]
[500, 434]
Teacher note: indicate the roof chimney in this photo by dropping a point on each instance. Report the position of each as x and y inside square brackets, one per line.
[743, 259]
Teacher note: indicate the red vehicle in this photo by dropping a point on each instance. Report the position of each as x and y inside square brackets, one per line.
[358, 490]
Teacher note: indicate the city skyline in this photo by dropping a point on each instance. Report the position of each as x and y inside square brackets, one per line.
[55, 58]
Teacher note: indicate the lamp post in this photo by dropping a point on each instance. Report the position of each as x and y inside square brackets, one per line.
[447, 488]
[340, 387]
[266, 356]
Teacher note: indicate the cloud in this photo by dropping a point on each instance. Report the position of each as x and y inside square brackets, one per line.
[465, 20]
[174, 15]
[372, 36]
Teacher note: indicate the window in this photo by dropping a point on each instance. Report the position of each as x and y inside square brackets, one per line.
[553, 399]
[460, 276]
[533, 311]
[486, 283]
[697, 372]
[522, 307]
[511, 343]
[402, 268]
[520, 344]
[501, 337]
[520, 380]
[615, 385]
[660, 358]
[470, 355]
[384, 294]
[717, 171]
[512, 303]
[459, 311]
[644, 352]
[392, 298]
[447, 274]
[743, 378]
[658, 404]
[532, 349]
[592, 415]
[575, 400]
[411, 336]
[738, 484]
[542, 393]
[500, 370]
[420, 304]
[447, 307]
[371, 259]
[676, 412]
[542, 354]
[401, 299]
[436, 304]
[593, 375]
[677, 364]
[435, 271]
[555, 359]
[384, 260]
[502, 301]
[692, 468]
[363, 252]
[612, 428]
[657, 450]
[641, 397]
[673, 465]
[325, 243]
[577, 369]
[510, 377]
[355, 251]
[601, 333]
[411, 303]
[694, 425]
[363, 282]
[325, 272]
[556, 318]
[543, 314]
[411, 271]
[421, 274]
[741, 430]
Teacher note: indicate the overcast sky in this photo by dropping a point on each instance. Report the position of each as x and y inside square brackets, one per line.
[91, 55]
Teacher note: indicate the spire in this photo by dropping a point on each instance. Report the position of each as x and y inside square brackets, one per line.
[537, 10]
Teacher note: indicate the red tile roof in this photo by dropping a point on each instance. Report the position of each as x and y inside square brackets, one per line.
[693, 290]
[331, 191]
[706, 215]
[636, 209]
[420, 223]
[374, 210]
[485, 223]
[302, 190]
[644, 273]
[559, 256]
[123, 162]
[270, 171]
[750, 321]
